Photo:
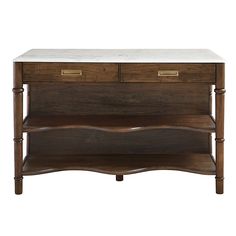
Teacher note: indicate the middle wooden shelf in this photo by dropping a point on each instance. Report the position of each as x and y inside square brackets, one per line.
[120, 123]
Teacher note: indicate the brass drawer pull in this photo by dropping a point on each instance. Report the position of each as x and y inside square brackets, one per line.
[71, 72]
[168, 73]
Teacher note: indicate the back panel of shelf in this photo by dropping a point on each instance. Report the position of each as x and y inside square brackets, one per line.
[82, 141]
[119, 99]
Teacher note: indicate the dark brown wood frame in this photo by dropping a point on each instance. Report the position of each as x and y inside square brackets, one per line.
[219, 116]
[18, 119]
[219, 125]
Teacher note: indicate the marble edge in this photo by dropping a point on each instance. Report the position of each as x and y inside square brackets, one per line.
[116, 61]
[29, 58]
[21, 57]
[221, 59]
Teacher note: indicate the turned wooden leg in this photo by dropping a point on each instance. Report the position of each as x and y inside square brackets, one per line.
[18, 119]
[219, 94]
[18, 185]
[119, 178]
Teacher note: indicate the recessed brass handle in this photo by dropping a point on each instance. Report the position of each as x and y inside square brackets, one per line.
[71, 72]
[168, 73]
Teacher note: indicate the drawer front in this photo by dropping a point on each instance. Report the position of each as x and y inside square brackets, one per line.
[168, 73]
[70, 72]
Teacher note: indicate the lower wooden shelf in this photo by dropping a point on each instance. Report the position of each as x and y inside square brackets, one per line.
[120, 164]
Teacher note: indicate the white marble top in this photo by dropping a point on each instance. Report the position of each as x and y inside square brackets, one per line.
[121, 55]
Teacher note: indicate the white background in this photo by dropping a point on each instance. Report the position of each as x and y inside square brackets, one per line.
[86, 203]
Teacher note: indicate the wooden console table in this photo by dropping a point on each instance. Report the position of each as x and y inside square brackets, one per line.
[119, 112]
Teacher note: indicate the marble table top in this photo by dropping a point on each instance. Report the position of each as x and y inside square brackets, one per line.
[121, 56]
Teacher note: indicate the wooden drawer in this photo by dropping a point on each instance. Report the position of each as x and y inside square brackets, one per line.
[70, 72]
[168, 73]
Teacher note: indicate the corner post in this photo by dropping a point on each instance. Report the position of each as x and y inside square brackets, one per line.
[18, 122]
[219, 116]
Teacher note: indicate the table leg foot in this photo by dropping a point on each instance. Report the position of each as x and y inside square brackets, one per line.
[219, 185]
[119, 178]
[18, 185]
